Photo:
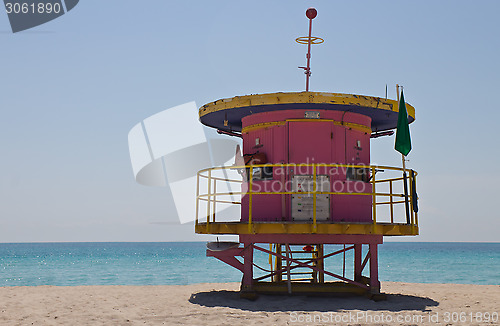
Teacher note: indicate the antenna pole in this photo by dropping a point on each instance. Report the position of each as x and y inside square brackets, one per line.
[308, 55]
[311, 13]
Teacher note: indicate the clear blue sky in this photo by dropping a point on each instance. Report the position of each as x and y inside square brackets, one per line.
[71, 89]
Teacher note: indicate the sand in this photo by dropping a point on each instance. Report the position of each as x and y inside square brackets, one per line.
[219, 304]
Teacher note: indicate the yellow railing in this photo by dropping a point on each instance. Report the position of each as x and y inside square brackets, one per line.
[392, 197]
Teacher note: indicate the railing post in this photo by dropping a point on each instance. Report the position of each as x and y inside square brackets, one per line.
[250, 178]
[405, 187]
[414, 199]
[374, 199]
[415, 196]
[392, 201]
[197, 196]
[315, 226]
[208, 198]
[214, 200]
[411, 201]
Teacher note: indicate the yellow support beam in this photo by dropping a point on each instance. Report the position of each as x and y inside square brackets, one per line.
[386, 229]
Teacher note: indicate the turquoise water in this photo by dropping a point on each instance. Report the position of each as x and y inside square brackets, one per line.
[30, 264]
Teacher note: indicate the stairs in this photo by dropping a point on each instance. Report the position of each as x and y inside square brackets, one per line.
[292, 272]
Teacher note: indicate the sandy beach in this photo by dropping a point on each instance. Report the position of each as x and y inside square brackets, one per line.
[219, 304]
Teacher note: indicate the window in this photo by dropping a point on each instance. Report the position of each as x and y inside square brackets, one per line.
[262, 173]
[357, 174]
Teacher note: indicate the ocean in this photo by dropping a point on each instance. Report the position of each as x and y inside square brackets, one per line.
[177, 263]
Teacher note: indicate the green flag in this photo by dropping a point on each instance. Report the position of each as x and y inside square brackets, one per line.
[403, 141]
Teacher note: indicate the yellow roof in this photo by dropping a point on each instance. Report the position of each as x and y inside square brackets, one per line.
[384, 112]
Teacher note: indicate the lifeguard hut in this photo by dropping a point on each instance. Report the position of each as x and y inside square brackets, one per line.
[305, 183]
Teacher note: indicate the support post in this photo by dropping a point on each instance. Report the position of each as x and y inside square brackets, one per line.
[246, 284]
[357, 262]
[321, 263]
[374, 283]
[279, 263]
[288, 263]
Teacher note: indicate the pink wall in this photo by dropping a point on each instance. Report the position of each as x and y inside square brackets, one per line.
[309, 141]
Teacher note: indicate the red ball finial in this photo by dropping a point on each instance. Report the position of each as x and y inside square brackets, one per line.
[311, 13]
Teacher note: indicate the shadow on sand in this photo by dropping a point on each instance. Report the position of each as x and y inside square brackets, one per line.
[270, 303]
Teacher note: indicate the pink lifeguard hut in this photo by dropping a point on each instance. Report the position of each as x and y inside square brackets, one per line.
[305, 185]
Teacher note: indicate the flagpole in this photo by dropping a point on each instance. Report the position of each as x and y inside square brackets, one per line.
[407, 207]
[402, 156]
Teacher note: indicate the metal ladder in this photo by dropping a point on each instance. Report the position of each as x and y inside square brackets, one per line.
[292, 272]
